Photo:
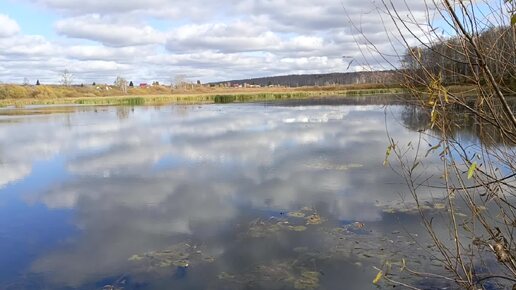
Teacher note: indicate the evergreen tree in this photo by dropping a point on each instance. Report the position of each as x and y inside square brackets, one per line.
[131, 84]
[37, 83]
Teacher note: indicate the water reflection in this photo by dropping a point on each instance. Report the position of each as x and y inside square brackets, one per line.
[157, 198]
[463, 125]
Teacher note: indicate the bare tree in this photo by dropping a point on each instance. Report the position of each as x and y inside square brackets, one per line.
[66, 78]
[180, 81]
[121, 83]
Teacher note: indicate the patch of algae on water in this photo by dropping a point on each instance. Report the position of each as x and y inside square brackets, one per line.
[286, 273]
[314, 219]
[277, 271]
[296, 214]
[439, 206]
[308, 280]
[178, 255]
[297, 228]
[260, 228]
[136, 258]
[226, 276]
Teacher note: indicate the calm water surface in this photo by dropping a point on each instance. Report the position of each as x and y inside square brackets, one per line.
[236, 196]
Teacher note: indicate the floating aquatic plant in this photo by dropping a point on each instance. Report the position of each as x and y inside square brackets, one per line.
[308, 280]
[296, 214]
[314, 219]
[178, 255]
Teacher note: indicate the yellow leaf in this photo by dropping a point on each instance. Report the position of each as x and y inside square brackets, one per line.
[433, 116]
[472, 169]
[378, 277]
[387, 154]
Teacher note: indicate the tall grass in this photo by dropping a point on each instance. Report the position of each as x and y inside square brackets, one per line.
[48, 95]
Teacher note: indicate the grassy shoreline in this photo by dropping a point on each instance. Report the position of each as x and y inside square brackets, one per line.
[198, 98]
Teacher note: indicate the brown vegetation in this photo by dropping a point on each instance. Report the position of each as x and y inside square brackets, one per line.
[55, 94]
[477, 251]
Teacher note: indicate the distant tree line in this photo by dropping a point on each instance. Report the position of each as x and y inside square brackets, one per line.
[353, 78]
[454, 61]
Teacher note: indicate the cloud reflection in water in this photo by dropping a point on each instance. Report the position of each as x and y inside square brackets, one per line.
[164, 175]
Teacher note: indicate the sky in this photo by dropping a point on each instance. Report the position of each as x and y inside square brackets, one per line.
[158, 40]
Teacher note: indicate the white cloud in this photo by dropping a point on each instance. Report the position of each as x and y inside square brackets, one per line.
[241, 37]
[147, 40]
[100, 6]
[8, 27]
[27, 46]
[94, 27]
[95, 52]
[234, 37]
